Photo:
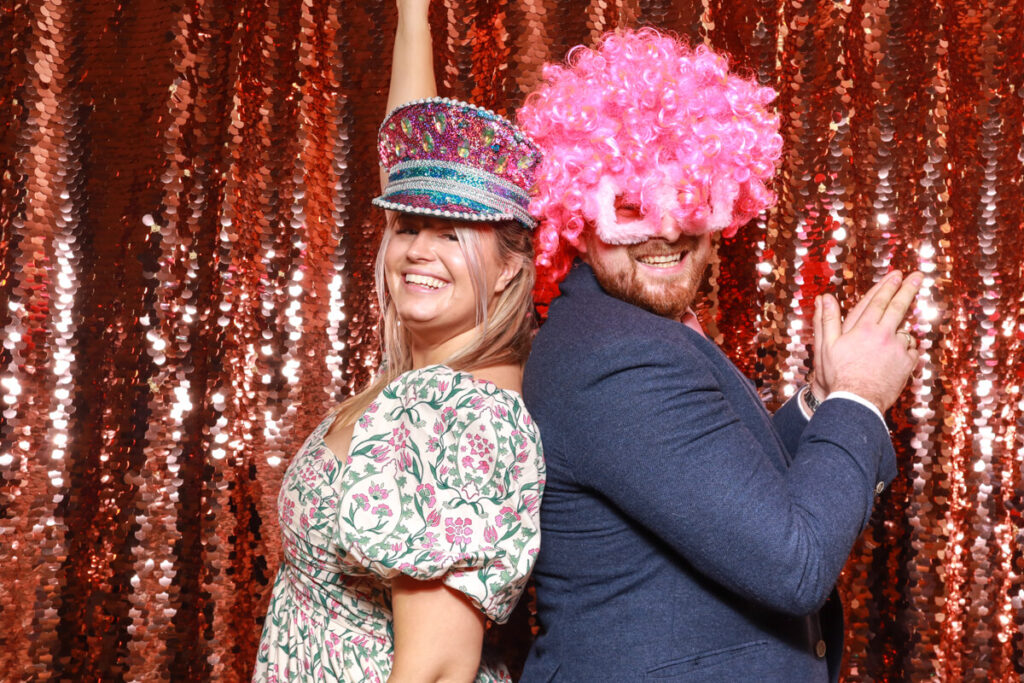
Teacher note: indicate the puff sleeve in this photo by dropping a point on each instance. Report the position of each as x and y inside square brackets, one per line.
[444, 481]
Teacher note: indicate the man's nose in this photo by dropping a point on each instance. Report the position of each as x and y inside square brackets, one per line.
[669, 229]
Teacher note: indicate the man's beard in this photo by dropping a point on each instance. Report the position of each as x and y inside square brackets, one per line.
[670, 300]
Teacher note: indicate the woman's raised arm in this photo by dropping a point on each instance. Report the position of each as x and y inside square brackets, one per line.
[412, 63]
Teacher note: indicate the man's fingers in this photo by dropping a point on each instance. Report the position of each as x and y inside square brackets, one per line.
[818, 337]
[855, 313]
[901, 302]
[831, 325]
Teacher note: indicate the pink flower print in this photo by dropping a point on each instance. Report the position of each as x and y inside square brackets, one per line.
[372, 408]
[434, 518]
[308, 476]
[479, 446]
[442, 470]
[426, 492]
[433, 444]
[382, 511]
[332, 643]
[506, 516]
[457, 530]
[499, 410]
[531, 501]
[467, 461]
[329, 465]
[377, 492]
[362, 501]
[398, 436]
[483, 466]
[521, 456]
[397, 547]
[429, 539]
[442, 386]
[437, 556]
[287, 512]
[490, 534]
[477, 402]
[379, 453]
[406, 568]
[447, 414]
[304, 521]
[365, 421]
[438, 426]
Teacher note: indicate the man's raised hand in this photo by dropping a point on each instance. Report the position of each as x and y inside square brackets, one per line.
[867, 354]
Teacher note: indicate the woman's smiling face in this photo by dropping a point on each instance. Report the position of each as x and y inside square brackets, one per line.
[430, 278]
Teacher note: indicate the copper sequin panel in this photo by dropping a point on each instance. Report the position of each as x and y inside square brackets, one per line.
[186, 249]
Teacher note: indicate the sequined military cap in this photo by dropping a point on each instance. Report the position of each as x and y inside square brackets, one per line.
[455, 160]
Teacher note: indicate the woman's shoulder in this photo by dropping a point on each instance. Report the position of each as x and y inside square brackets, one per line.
[440, 383]
[438, 395]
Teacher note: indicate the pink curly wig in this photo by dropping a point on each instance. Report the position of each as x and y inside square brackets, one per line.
[645, 117]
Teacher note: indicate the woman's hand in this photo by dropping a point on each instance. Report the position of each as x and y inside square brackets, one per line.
[413, 8]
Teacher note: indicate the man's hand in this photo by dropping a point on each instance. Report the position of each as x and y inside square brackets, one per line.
[866, 354]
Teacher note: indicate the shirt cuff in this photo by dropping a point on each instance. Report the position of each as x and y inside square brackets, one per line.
[863, 401]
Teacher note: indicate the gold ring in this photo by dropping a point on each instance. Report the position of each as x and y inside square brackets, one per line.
[909, 339]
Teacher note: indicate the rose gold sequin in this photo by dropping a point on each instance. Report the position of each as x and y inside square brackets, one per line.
[186, 250]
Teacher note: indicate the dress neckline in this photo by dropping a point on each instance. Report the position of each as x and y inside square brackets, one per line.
[456, 374]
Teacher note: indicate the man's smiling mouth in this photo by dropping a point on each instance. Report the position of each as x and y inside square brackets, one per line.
[662, 260]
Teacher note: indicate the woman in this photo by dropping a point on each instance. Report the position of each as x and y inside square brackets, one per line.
[409, 516]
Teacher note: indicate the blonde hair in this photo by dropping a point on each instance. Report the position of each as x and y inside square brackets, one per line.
[505, 332]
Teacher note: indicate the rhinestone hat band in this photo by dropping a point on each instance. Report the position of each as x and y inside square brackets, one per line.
[452, 159]
[454, 188]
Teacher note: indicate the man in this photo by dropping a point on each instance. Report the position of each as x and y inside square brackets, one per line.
[687, 534]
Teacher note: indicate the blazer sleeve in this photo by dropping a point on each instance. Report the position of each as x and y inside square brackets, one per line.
[789, 422]
[657, 436]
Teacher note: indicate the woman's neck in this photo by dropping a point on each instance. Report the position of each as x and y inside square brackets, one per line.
[425, 352]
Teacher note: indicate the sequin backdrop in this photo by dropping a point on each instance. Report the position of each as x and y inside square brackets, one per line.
[185, 269]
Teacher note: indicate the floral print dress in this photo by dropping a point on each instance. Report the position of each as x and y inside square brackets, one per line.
[443, 480]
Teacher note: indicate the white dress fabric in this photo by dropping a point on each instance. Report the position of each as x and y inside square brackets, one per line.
[443, 480]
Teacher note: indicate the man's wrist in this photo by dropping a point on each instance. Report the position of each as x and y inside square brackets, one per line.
[849, 395]
[810, 399]
[809, 403]
[803, 403]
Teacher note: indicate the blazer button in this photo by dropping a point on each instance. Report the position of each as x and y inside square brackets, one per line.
[879, 487]
[819, 649]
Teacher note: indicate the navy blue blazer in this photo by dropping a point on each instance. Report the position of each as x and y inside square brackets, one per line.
[688, 535]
